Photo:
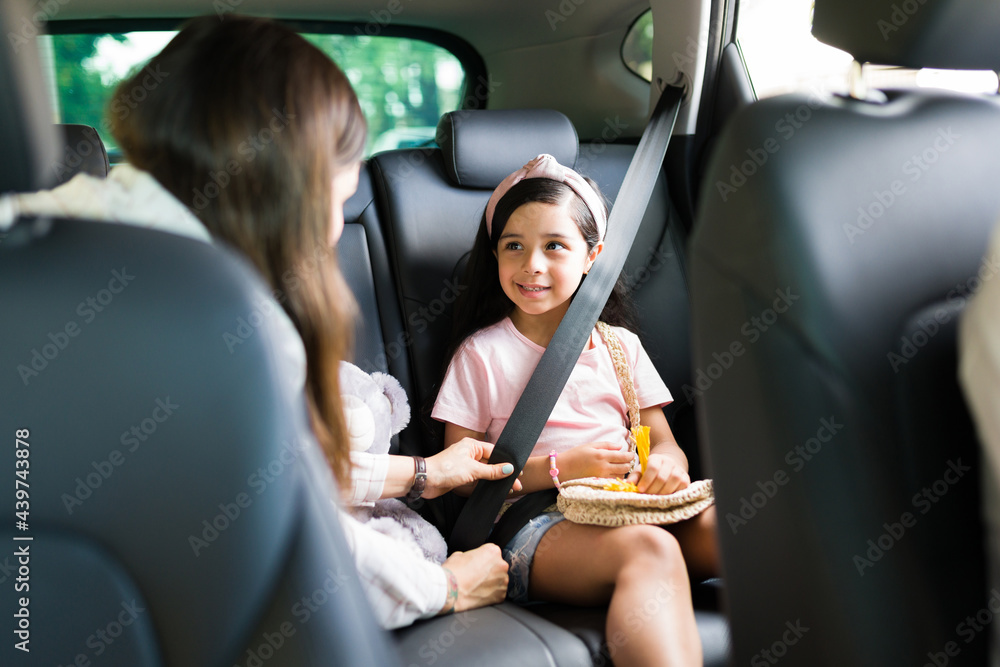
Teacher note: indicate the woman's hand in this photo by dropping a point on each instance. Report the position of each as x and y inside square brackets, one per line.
[663, 476]
[481, 575]
[594, 459]
[463, 463]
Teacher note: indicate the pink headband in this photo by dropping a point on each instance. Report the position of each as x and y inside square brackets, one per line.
[545, 166]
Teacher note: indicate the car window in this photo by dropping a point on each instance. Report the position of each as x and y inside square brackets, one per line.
[404, 85]
[782, 56]
[637, 49]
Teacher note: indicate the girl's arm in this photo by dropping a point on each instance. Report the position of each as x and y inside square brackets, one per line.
[667, 467]
[594, 459]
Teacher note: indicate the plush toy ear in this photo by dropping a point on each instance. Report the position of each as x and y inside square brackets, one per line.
[393, 391]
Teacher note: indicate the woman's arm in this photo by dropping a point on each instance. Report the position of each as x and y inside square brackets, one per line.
[593, 459]
[453, 435]
[446, 470]
[403, 587]
[667, 467]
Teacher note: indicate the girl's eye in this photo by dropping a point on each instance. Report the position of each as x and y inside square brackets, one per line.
[554, 245]
[512, 245]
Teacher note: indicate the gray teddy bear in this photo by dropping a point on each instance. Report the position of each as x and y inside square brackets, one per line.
[375, 409]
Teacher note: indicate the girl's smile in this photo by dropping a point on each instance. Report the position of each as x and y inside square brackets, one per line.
[542, 258]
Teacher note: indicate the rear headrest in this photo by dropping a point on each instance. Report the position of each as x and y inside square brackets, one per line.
[83, 153]
[26, 135]
[947, 34]
[481, 148]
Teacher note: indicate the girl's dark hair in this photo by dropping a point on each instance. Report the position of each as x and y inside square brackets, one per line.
[484, 303]
[248, 127]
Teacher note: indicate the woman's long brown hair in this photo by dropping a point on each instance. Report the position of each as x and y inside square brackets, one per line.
[247, 123]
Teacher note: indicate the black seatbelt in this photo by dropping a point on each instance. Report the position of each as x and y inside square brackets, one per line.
[548, 379]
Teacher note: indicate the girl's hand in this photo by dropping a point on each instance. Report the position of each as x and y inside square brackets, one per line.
[463, 463]
[594, 459]
[663, 476]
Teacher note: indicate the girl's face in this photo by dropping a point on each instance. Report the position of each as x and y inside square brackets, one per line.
[542, 257]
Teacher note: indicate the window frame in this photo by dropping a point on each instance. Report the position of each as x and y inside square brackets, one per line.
[474, 94]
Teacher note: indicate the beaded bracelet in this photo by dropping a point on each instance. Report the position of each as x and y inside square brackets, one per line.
[553, 470]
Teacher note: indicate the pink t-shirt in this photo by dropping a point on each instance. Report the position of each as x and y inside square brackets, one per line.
[491, 368]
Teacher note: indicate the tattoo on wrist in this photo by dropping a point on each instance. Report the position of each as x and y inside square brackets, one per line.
[452, 598]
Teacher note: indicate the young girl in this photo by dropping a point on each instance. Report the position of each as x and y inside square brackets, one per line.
[542, 231]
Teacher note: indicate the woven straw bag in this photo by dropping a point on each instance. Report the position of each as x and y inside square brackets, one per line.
[587, 501]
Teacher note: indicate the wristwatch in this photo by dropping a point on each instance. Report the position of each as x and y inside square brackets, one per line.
[419, 479]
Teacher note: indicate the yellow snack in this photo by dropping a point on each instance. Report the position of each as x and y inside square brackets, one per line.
[641, 435]
[621, 485]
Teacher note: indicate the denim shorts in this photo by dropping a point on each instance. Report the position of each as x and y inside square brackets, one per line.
[520, 552]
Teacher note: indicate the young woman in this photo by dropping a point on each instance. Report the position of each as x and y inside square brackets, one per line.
[254, 137]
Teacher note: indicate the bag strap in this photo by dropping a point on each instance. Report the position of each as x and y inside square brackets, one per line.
[620, 361]
[549, 377]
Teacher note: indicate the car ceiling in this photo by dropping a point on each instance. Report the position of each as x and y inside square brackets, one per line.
[525, 44]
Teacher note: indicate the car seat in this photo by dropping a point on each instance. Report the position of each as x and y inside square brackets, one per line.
[836, 242]
[176, 510]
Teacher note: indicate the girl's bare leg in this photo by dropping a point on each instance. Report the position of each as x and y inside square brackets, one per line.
[641, 571]
[699, 543]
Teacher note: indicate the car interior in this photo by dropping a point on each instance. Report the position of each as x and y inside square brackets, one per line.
[799, 273]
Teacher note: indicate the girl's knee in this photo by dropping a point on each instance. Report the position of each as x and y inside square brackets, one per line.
[651, 542]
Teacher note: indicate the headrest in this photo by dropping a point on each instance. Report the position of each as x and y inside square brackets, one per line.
[946, 34]
[83, 153]
[26, 135]
[481, 148]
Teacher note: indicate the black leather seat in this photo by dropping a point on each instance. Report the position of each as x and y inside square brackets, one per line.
[825, 291]
[83, 152]
[429, 202]
[178, 509]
